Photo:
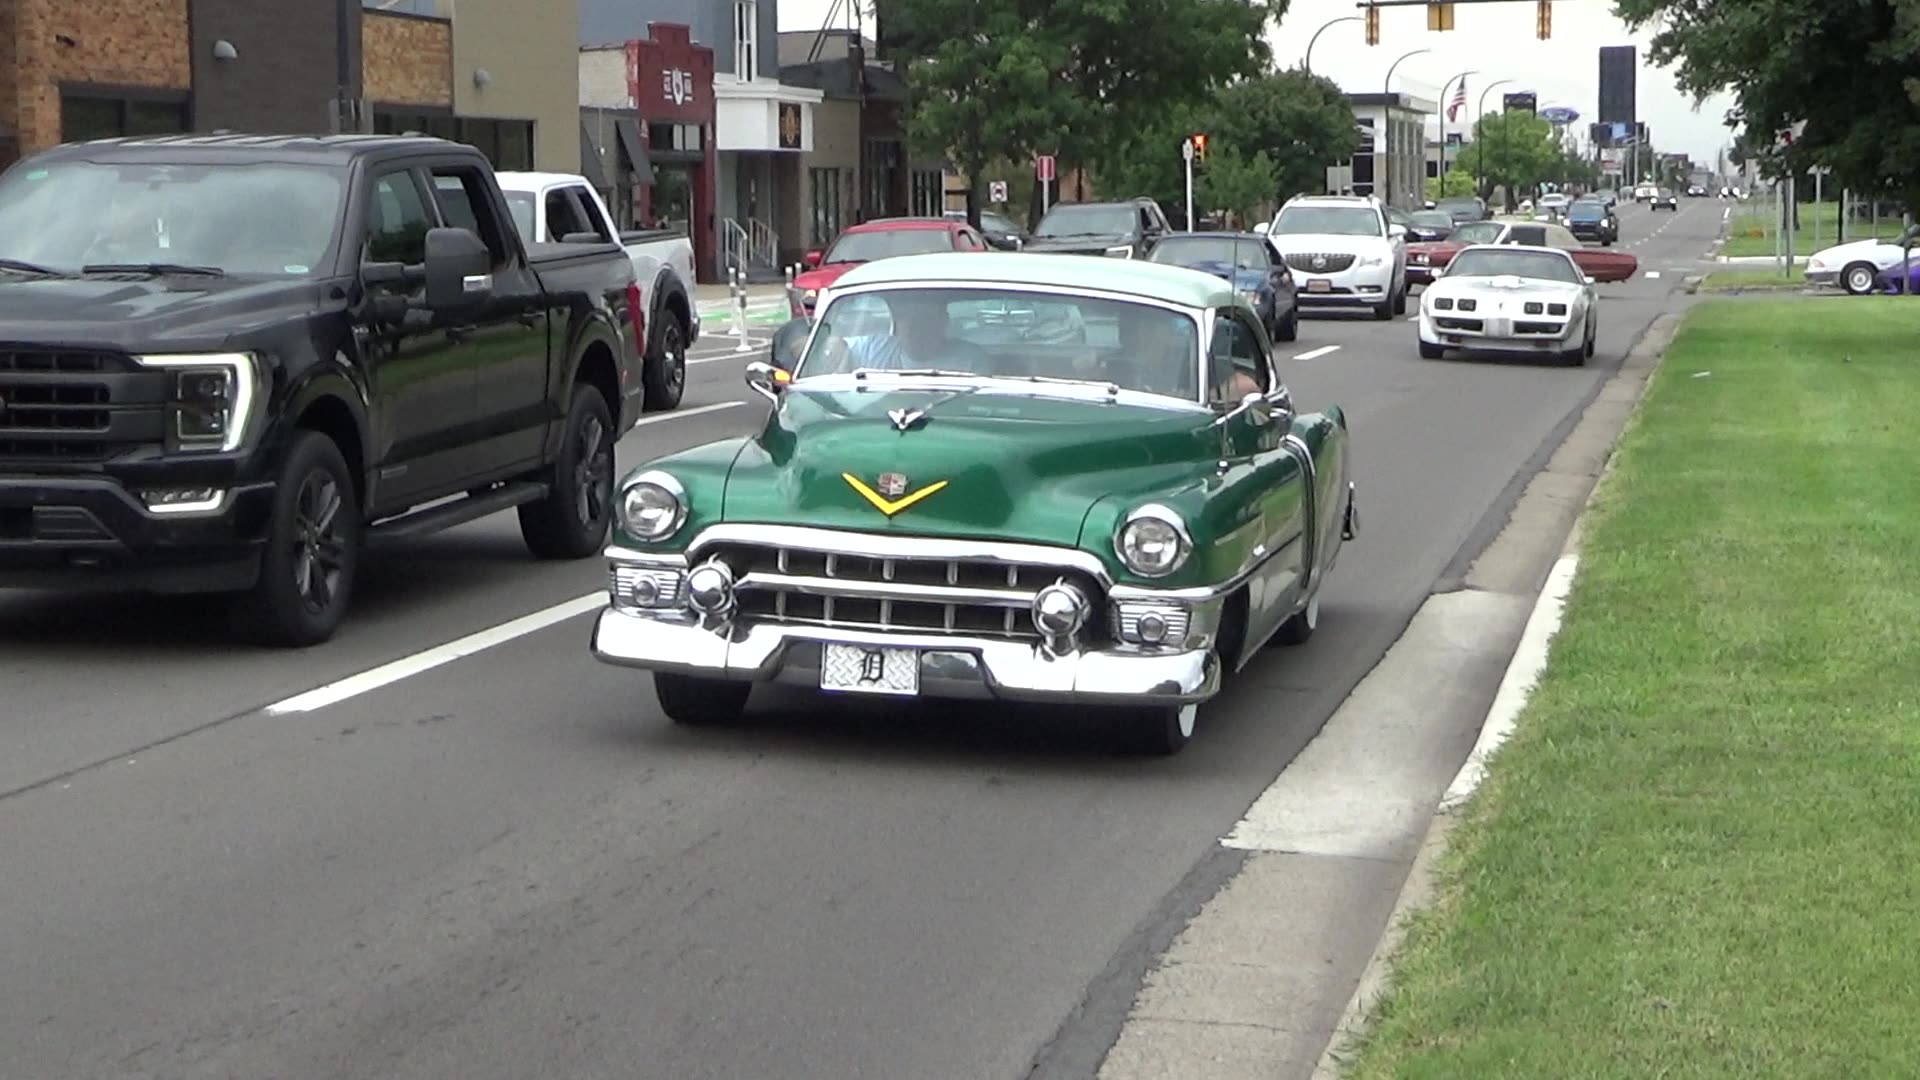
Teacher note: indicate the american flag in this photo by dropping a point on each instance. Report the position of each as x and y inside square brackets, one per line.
[1459, 101]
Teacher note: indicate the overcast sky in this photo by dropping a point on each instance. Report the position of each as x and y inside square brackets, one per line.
[1496, 39]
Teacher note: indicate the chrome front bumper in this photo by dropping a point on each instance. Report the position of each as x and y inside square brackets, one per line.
[950, 666]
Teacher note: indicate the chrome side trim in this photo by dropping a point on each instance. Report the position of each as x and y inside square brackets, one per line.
[1303, 453]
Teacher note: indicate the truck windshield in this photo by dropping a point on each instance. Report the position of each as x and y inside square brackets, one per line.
[269, 220]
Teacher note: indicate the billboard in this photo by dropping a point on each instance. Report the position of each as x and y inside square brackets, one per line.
[1524, 101]
[1559, 115]
[1619, 64]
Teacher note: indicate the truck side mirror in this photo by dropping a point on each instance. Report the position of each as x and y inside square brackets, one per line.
[812, 259]
[459, 269]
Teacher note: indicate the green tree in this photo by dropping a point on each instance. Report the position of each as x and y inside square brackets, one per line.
[1238, 184]
[1458, 183]
[1009, 79]
[1300, 120]
[1848, 70]
[1512, 150]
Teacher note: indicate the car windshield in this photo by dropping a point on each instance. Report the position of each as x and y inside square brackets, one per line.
[1526, 264]
[1477, 232]
[269, 220]
[886, 243]
[1458, 206]
[999, 223]
[1088, 221]
[1195, 250]
[1588, 210]
[1327, 221]
[520, 205]
[1008, 333]
[1438, 219]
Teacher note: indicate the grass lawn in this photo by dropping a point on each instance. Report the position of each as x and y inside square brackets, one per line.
[1699, 855]
[1750, 231]
[1751, 280]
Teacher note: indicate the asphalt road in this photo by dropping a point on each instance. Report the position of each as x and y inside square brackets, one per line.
[511, 865]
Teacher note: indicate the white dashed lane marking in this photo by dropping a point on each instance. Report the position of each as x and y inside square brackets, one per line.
[1313, 354]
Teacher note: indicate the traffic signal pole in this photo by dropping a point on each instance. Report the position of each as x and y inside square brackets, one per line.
[1186, 151]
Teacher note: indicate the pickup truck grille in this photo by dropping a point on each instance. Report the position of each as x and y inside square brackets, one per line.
[76, 406]
[1328, 262]
[978, 598]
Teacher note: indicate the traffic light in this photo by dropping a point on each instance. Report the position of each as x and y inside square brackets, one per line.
[1200, 149]
[1373, 26]
[1543, 20]
[1440, 16]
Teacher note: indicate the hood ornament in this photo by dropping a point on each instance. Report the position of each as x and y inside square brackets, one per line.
[904, 419]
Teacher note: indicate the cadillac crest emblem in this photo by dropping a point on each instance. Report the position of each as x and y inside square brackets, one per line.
[892, 485]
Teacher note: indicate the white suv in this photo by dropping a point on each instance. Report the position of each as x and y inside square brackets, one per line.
[1344, 252]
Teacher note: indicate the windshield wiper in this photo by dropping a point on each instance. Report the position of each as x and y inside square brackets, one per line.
[24, 267]
[156, 268]
[918, 373]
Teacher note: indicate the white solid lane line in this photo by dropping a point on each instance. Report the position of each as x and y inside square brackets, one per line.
[1321, 351]
[408, 666]
[678, 413]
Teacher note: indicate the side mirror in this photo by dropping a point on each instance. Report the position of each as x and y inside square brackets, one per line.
[1397, 232]
[784, 353]
[1588, 279]
[459, 269]
[1261, 228]
[812, 259]
[1436, 271]
[766, 380]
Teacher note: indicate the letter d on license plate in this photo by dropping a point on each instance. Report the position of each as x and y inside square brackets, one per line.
[870, 669]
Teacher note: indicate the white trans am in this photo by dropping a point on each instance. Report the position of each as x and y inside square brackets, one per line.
[1510, 298]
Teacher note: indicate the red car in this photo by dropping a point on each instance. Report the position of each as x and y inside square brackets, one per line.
[878, 239]
[1596, 263]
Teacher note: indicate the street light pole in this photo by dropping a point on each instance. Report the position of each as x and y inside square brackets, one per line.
[1386, 111]
[1461, 79]
[1479, 110]
[1307, 61]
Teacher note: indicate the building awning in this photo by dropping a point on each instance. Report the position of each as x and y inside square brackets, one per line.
[634, 149]
[590, 160]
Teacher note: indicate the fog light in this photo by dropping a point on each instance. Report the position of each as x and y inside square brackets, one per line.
[710, 588]
[182, 500]
[1152, 629]
[644, 592]
[1059, 610]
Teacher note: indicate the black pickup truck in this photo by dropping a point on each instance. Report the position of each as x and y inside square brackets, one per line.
[230, 363]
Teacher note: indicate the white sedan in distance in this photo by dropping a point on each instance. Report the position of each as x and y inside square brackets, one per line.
[1510, 298]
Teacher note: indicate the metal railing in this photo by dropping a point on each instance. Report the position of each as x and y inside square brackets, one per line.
[749, 244]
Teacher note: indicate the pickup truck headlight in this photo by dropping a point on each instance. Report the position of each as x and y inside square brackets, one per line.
[210, 398]
[653, 507]
[1153, 541]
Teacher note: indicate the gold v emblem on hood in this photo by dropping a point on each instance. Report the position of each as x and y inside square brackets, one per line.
[885, 505]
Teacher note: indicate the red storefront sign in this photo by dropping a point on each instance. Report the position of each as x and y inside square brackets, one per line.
[670, 80]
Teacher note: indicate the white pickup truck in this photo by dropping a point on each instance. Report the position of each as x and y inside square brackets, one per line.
[559, 207]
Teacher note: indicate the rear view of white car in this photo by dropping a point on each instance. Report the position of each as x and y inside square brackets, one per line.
[1344, 252]
[1510, 298]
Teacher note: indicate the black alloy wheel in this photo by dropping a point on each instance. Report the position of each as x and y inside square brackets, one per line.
[572, 521]
[665, 378]
[312, 548]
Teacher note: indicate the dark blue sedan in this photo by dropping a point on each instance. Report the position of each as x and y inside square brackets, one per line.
[1246, 260]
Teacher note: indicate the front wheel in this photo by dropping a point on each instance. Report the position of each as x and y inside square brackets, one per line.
[1296, 630]
[1158, 730]
[571, 521]
[1857, 279]
[695, 702]
[1400, 300]
[1430, 351]
[312, 552]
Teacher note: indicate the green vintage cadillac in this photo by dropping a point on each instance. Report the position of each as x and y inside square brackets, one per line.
[1039, 478]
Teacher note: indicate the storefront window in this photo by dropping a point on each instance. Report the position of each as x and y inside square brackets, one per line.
[85, 116]
[827, 220]
[672, 196]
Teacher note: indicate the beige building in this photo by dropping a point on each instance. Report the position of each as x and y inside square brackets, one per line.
[512, 60]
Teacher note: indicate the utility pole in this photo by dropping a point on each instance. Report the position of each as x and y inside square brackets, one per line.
[1186, 151]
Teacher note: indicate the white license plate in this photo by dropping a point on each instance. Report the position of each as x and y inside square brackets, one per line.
[1319, 285]
[870, 669]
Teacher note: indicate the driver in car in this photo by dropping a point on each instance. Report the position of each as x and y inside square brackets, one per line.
[919, 340]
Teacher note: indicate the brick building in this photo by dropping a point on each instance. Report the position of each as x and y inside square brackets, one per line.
[500, 77]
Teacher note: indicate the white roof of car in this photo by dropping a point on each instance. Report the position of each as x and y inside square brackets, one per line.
[535, 181]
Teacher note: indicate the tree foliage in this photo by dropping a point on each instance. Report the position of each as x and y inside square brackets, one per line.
[1850, 70]
[1513, 150]
[1011, 79]
[1237, 183]
[1456, 183]
[1300, 122]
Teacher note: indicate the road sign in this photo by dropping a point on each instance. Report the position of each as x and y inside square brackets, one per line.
[1043, 168]
[997, 191]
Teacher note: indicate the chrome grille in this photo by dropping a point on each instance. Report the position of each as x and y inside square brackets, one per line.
[975, 597]
[1320, 262]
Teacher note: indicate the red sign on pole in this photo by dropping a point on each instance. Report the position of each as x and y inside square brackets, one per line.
[1043, 168]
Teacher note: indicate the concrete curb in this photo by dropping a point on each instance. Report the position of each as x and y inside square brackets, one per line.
[1623, 392]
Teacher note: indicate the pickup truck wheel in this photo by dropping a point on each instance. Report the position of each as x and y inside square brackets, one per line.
[1159, 730]
[697, 702]
[312, 550]
[665, 377]
[1297, 630]
[571, 522]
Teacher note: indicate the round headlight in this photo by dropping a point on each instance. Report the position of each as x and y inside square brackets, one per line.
[652, 507]
[1153, 542]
